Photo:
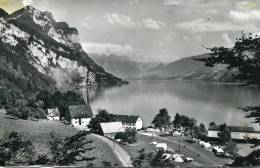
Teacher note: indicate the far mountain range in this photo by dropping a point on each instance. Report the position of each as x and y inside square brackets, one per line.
[186, 69]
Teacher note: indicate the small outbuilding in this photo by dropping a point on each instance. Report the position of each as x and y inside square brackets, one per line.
[109, 129]
[53, 114]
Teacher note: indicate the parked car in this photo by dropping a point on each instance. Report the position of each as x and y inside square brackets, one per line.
[166, 156]
[188, 159]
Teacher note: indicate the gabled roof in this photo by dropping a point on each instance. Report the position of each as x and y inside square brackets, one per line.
[80, 111]
[112, 127]
[125, 118]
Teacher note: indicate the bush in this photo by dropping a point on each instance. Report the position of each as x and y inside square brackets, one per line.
[15, 151]
[66, 151]
[128, 136]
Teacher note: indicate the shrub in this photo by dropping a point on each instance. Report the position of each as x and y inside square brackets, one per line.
[128, 136]
[15, 151]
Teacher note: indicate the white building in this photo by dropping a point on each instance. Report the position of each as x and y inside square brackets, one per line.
[237, 133]
[53, 114]
[129, 121]
[109, 129]
[80, 116]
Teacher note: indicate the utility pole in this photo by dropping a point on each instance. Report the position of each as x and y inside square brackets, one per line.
[179, 146]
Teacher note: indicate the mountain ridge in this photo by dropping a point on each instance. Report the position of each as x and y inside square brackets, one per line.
[52, 44]
[37, 53]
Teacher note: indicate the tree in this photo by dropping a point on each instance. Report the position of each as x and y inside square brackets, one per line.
[150, 159]
[101, 117]
[15, 151]
[66, 151]
[128, 136]
[224, 133]
[212, 125]
[162, 119]
[202, 131]
[244, 57]
[177, 120]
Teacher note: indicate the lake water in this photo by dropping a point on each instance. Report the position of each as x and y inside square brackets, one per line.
[203, 101]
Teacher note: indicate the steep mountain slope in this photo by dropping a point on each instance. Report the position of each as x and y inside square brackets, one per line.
[189, 68]
[51, 47]
[122, 66]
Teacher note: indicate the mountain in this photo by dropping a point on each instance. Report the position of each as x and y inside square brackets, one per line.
[37, 53]
[51, 47]
[189, 69]
[122, 66]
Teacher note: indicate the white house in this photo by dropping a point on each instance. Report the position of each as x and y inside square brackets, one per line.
[80, 116]
[130, 121]
[109, 129]
[53, 114]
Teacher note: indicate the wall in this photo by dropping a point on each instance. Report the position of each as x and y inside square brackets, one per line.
[84, 122]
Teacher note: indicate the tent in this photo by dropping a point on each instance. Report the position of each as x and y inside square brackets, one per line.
[178, 159]
[176, 133]
[207, 145]
[217, 149]
[162, 146]
[154, 143]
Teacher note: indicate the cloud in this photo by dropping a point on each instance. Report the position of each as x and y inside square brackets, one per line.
[153, 24]
[227, 41]
[249, 15]
[108, 49]
[199, 25]
[27, 2]
[85, 22]
[119, 20]
[246, 5]
[173, 2]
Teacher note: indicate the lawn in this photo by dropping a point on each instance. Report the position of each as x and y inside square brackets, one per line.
[206, 158]
[39, 134]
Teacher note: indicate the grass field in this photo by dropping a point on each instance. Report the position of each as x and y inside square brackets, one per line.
[206, 158]
[39, 134]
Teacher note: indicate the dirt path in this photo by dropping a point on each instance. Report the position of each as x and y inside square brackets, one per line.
[121, 154]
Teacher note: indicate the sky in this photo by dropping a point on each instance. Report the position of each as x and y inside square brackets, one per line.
[152, 30]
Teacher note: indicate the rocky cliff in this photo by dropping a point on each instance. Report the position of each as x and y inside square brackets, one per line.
[52, 48]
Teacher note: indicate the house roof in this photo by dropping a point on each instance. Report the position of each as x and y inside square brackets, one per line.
[235, 135]
[54, 112]
[235, 129]
[80, 111]
[112, 127]
[126, 118]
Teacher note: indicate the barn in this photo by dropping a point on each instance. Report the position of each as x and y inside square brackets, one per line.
[109, 129]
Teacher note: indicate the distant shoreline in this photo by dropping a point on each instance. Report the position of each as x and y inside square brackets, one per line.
[196, 81]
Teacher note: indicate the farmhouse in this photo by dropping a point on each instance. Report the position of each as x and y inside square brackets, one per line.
[53, 114]
[80, 115]
[130, 121]
[237, 133]
[111, 128]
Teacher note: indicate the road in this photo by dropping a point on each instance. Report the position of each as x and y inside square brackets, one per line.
[121, 154]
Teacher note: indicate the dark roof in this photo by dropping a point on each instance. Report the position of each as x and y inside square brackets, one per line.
[234, 129]
[80, 111]
[126, 118]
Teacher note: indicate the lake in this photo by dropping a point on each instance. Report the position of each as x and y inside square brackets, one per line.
[205, 102]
